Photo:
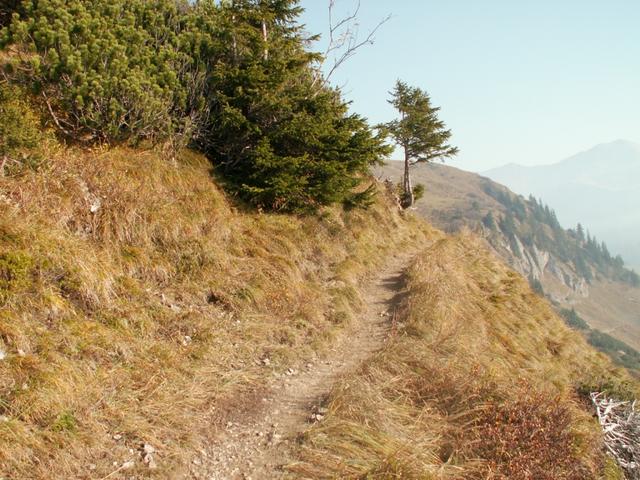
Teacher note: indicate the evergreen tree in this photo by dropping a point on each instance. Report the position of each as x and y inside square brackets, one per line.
[508, 224]
[605, 252]
[279, 141]
[536, 285]
[489, 221]
[419, 131]
[582, 267]
[580, 232]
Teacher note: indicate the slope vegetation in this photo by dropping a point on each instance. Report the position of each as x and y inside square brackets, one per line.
[481, 380]
[572, 271]
[141, 311]
[137, 304]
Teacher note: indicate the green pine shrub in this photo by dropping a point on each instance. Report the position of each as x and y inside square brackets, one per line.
[21, 133]
[418, 192]
[108, 69]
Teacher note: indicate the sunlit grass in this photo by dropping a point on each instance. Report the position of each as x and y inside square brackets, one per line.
[481, 381]
[135, 301]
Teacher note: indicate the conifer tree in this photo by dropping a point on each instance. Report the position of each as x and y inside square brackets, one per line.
[489, 221]
[419, 131]
[279, 142]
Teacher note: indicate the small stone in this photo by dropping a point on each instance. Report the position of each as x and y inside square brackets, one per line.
[266, 362]
[117, 437]
[4, 418]
[148, 449]
[25, 386]
[92, 467]
[128, 465]
[197, 461]
[95, 206]
[150, 461]
[315, 417]
[21, 353]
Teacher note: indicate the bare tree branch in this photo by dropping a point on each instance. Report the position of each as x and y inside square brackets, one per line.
[343, 41]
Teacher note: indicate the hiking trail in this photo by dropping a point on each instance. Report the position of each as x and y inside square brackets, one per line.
[255, 445]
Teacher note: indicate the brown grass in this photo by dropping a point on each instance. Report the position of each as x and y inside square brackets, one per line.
[480, 382]
[145, 318]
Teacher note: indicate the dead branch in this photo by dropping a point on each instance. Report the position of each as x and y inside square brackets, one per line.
[621, 425]
[343, 41]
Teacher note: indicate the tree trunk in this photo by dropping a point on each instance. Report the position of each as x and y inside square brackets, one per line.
[407, 197]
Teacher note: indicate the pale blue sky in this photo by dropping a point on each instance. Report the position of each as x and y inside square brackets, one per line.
[530, 82]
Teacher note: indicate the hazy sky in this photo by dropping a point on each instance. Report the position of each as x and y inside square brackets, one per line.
[530, 82]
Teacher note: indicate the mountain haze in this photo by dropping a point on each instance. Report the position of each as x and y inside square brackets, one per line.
[599, 187]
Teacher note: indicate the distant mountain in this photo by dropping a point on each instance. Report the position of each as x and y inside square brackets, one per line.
[572, 270]
[599, 187]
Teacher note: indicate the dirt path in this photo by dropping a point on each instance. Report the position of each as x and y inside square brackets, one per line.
[256, 447]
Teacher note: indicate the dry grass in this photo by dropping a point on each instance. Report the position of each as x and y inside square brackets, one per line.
[136, 301]
[480, 382]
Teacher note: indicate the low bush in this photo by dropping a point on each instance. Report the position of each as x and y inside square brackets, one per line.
[21, 133]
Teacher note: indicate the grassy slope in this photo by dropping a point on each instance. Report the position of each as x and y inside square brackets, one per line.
[449, 204]
[147, 319]
[479, 382]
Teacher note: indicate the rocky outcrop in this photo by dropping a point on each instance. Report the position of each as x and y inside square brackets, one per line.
[535, 263]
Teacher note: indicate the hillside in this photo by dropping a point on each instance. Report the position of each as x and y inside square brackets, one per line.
[201, 279]
[139, 305]
[529, 238]
[454, 398]
[599, 187]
